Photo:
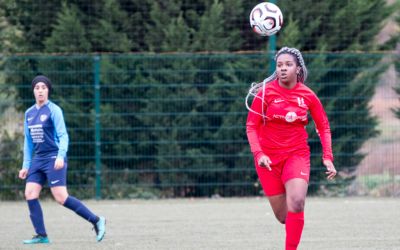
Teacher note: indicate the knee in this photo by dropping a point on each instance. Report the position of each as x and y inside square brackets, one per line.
[60, 198]
[60, 194]
[296, 204]
[31, 194]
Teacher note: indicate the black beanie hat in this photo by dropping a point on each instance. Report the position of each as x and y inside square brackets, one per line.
[43, 79]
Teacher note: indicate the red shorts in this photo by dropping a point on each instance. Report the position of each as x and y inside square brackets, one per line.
[292, 166]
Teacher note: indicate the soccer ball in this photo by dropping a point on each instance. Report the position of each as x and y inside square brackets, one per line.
[266, 19]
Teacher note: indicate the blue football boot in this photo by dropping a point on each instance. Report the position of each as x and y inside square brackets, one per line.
[100, 228]
[37, 239]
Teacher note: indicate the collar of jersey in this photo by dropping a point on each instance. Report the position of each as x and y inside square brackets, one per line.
[36, 106]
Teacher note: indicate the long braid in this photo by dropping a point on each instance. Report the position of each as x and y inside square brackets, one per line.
[300, 61]
[256, 87]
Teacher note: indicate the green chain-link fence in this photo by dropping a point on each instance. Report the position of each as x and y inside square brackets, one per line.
[163, 125]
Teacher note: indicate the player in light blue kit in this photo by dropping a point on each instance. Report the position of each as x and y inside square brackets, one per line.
[45, 158]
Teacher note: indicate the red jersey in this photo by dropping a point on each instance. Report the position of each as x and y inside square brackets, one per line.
[281, 130]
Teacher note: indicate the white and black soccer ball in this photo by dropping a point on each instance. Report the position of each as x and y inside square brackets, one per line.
[266, 19]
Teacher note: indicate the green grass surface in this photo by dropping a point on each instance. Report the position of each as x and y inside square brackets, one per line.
[237, 223]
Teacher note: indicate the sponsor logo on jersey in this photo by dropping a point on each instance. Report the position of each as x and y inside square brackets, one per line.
[43, 118]
[35, 126]
[291, 116]
[302, 173]
[29, 118]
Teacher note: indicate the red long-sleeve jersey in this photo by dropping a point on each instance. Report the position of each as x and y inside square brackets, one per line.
[281, 130]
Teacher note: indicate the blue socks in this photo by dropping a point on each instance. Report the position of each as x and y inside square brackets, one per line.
[36, 215]
[77, 206]
[71, 202]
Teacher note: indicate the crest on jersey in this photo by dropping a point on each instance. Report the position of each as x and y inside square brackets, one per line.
[43, 118]
[300, 101]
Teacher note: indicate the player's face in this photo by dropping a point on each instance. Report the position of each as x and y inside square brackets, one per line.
[287, 69]
[41, 93]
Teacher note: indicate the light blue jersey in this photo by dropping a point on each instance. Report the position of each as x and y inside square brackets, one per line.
[45, 134]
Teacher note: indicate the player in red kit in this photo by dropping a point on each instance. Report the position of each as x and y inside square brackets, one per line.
[278, 139]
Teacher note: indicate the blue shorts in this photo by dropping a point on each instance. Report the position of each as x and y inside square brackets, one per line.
[43, 169]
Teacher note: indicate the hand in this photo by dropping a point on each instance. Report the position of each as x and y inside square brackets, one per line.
[330, 169]
[59, 164]
[264, 161]
[23, 173]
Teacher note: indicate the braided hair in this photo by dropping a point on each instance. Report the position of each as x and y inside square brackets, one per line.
[256, 87]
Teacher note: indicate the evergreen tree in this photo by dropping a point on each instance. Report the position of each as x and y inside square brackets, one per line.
[10, 35]
[135, 24]
[162, 14]
[177, 36]
[33, 18]
[68, 34]
[10, 42]
[183, 115]
[211, 35]
[108, 33]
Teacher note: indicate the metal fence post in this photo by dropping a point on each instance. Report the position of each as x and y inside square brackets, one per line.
[96, 71]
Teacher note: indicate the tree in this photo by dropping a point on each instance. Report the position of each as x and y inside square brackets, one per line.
[182, 116]
[10, 35]
[108, 33]
[211, 35]
[177, 36]
[68, 34]
[32, 19]
[161, 17]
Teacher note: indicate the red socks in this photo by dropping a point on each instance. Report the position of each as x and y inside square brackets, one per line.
[294, 227]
